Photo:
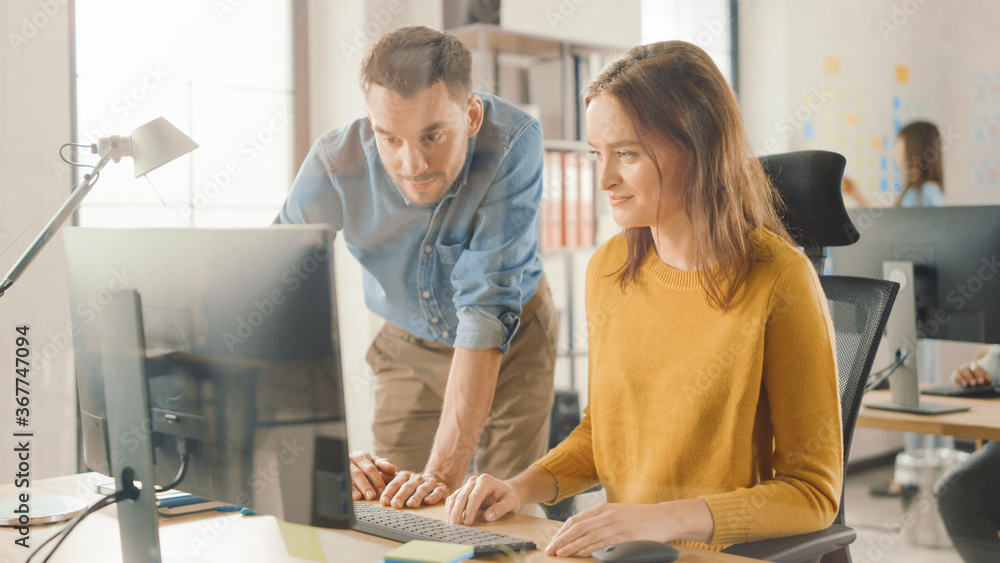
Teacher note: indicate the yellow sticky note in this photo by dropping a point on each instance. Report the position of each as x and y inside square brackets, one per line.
[832, 65]
[301, 541]
[419, 551]
[902, 73]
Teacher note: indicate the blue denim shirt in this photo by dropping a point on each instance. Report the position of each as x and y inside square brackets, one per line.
[927, 195]
[457, 272]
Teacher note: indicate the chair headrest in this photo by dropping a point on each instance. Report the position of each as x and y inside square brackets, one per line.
[809, 184]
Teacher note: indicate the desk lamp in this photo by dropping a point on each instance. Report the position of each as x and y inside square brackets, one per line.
[150, 146]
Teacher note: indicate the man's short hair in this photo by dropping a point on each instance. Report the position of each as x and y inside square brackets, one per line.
[412, 59]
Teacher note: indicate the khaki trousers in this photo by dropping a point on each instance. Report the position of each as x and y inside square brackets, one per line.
[410, 378]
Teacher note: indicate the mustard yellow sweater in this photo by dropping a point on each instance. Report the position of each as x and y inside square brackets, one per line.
[739, 408]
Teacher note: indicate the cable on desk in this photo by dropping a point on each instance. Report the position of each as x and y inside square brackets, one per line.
[130, 492]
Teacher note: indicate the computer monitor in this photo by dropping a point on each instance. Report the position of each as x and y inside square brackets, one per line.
[224, 342]
[947, 260]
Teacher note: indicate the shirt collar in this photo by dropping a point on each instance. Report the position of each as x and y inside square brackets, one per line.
[460, 181]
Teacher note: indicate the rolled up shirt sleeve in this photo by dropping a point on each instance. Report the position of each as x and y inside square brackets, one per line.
[487, 275]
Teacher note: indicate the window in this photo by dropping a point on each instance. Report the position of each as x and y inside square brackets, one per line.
[221, 72]
[706, 23]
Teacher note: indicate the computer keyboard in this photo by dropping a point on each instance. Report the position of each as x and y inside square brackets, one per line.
[986, 390]
[404, 526]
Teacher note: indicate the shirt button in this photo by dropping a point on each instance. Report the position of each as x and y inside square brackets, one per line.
[434, 320]
[445, 334]
[427, 248]
[427, 294]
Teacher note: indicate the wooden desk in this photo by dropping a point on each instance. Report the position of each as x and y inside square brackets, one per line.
[215, 536]
[981, 422]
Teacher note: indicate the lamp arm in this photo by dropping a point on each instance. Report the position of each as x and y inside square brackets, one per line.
[80, 191]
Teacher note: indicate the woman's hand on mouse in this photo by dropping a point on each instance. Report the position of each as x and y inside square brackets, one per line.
[481, 491]
[607, 524]
[970, 374]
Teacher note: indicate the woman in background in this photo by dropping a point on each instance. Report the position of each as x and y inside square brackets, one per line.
[918, 155]
[713, 413]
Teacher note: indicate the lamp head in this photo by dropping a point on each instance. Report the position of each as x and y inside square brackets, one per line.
[150, 145]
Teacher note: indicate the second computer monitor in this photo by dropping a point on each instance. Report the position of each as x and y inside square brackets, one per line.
[956, 256]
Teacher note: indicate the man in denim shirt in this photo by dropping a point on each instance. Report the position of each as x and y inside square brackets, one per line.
[437, 194]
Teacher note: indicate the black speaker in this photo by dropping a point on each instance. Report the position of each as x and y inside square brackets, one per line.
[565, 416]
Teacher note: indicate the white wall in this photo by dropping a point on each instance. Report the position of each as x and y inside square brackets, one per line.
[793, 98]
[35, 110]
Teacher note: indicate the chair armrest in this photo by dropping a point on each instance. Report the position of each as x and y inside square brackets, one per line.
[795, 549]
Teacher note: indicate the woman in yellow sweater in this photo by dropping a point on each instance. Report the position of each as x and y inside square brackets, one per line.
[714, 415]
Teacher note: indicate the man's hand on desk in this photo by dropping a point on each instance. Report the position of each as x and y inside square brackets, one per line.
[370, 475]
[411, 489]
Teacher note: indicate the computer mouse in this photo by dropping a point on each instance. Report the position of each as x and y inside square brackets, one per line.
[639, 551]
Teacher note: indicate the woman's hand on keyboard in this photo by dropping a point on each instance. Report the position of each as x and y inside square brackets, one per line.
[482, 491]
[370, 475]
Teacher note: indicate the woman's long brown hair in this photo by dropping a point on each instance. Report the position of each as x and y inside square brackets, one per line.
[922, 157]
[673, 92]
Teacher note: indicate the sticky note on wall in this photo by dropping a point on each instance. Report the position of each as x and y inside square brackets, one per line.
[831, 65]
[902, 74]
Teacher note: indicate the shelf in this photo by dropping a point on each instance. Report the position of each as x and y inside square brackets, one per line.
[504, 41]
[565, 145]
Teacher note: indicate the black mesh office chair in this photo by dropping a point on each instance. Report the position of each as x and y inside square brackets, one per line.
[859, 308]
[809, 182]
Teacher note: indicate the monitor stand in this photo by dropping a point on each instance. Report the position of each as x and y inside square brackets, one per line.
[128, 415]
[901, 338]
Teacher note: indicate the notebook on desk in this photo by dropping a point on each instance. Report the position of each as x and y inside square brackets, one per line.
[172, 503]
